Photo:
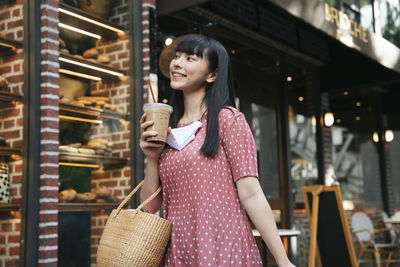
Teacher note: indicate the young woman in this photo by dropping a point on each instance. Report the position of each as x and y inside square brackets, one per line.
[210, 184]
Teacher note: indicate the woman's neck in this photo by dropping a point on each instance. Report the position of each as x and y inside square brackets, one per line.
[194, 106]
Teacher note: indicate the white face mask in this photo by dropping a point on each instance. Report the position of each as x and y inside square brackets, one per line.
[180, 137]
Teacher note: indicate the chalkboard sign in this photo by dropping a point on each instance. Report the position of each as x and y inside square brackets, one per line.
[330, 238]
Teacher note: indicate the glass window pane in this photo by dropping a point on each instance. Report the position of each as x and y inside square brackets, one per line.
[394, 159]
[264, 130]
[390, 21]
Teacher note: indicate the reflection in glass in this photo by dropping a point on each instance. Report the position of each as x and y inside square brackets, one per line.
[304, 169]
[390, 21]
[264, 130]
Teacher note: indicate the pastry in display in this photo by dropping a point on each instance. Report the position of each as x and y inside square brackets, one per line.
[103, 59]
[91, 53]
[85, 197]
[3, 83]
[67, 195]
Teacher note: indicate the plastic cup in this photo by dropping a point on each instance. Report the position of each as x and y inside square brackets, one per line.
[159, 113]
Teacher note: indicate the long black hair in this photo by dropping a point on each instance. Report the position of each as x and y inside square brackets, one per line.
[219, 94]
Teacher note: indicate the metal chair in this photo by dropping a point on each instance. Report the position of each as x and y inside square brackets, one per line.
[392, 230]
[364, 231]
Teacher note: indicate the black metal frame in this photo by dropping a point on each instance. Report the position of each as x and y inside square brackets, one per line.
[31, 133]
[136, 95]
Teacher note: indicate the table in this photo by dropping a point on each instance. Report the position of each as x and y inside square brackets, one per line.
[393, 219]
[285, 234]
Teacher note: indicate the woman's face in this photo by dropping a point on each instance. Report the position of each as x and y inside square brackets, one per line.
[189, 72]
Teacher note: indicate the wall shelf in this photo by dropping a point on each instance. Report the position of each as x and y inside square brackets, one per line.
[86, 207]
[10, 153]
[90, 113]
[78, 18]
[75, 159]
[8, 46]
[9, 207]
[87, 67]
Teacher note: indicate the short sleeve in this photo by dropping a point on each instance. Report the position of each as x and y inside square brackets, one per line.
[239, 145]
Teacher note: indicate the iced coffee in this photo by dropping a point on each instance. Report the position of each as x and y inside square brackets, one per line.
[159, 113]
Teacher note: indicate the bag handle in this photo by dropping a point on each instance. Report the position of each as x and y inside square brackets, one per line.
[142, 204]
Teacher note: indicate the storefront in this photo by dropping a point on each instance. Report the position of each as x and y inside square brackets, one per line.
[318, 84]
[72, 74]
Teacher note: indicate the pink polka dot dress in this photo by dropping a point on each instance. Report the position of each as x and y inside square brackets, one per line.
[210, 227]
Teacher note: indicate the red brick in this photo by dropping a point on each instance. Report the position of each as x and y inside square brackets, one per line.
[11, 134]
[13, 239]
[16, 13]
[100, 175]
[48, 218]
[12, 262]
[5, 15]
[47, 254]
[13, 251]
[127, 173]
[9, 123]
[2, 240]
[17, 179]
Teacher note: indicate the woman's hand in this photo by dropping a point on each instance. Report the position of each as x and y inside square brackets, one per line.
[151, 150]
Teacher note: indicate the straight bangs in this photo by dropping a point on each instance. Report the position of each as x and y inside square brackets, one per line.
[192, 46]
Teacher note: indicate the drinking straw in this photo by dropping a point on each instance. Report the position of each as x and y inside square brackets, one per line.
[151, 90]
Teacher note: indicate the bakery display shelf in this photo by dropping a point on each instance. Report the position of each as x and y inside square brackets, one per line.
[9, 153]
[82, 20]
[8, 46]
[90, 161]
[9, 99]
[9, 207]
[85, 207]
[88, 69]
[90, 113]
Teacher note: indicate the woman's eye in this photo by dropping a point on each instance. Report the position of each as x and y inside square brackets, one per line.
[190, 58]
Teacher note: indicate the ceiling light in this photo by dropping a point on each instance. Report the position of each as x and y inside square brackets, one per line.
[73, 164]
[329, 119]
[358, 104]
[301, 98]
[62, 10]
[375, 137]
[346, 93]
[64, 117]
[90, 66]
[8, 45]
[168, 40]
[389, 136]
[78, 74]
[68, 27]
[289, 78]
[358, 118]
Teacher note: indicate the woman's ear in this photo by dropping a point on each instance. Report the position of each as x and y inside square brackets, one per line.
[212, 76]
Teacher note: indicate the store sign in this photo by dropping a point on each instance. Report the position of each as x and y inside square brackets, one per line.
[348, 31]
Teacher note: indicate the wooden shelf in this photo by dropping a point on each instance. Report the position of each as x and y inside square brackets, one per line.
[9, 207]
[86, 207]
[8, 46]
[9, 153]
[87, 22]
[106, 162]
[89, 112]
[9, 99]
[88, 67]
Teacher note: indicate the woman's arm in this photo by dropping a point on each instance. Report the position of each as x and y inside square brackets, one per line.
[150, 185]
[257, 207]
[152, 152]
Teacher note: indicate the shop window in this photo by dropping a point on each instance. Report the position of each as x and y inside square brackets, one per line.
[390, 20]
[265, 135]
[394, 159]
[355, 155]
[304, 170]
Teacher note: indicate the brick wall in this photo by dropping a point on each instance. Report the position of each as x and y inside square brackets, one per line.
[11, 120]
[49, 129]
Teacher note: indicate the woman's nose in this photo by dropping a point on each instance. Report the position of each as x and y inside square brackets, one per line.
[177, 61]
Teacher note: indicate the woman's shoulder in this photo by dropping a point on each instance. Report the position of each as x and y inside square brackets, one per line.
[227, 113]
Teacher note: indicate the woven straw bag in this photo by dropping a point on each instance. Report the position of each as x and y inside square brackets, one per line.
[132, 237]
